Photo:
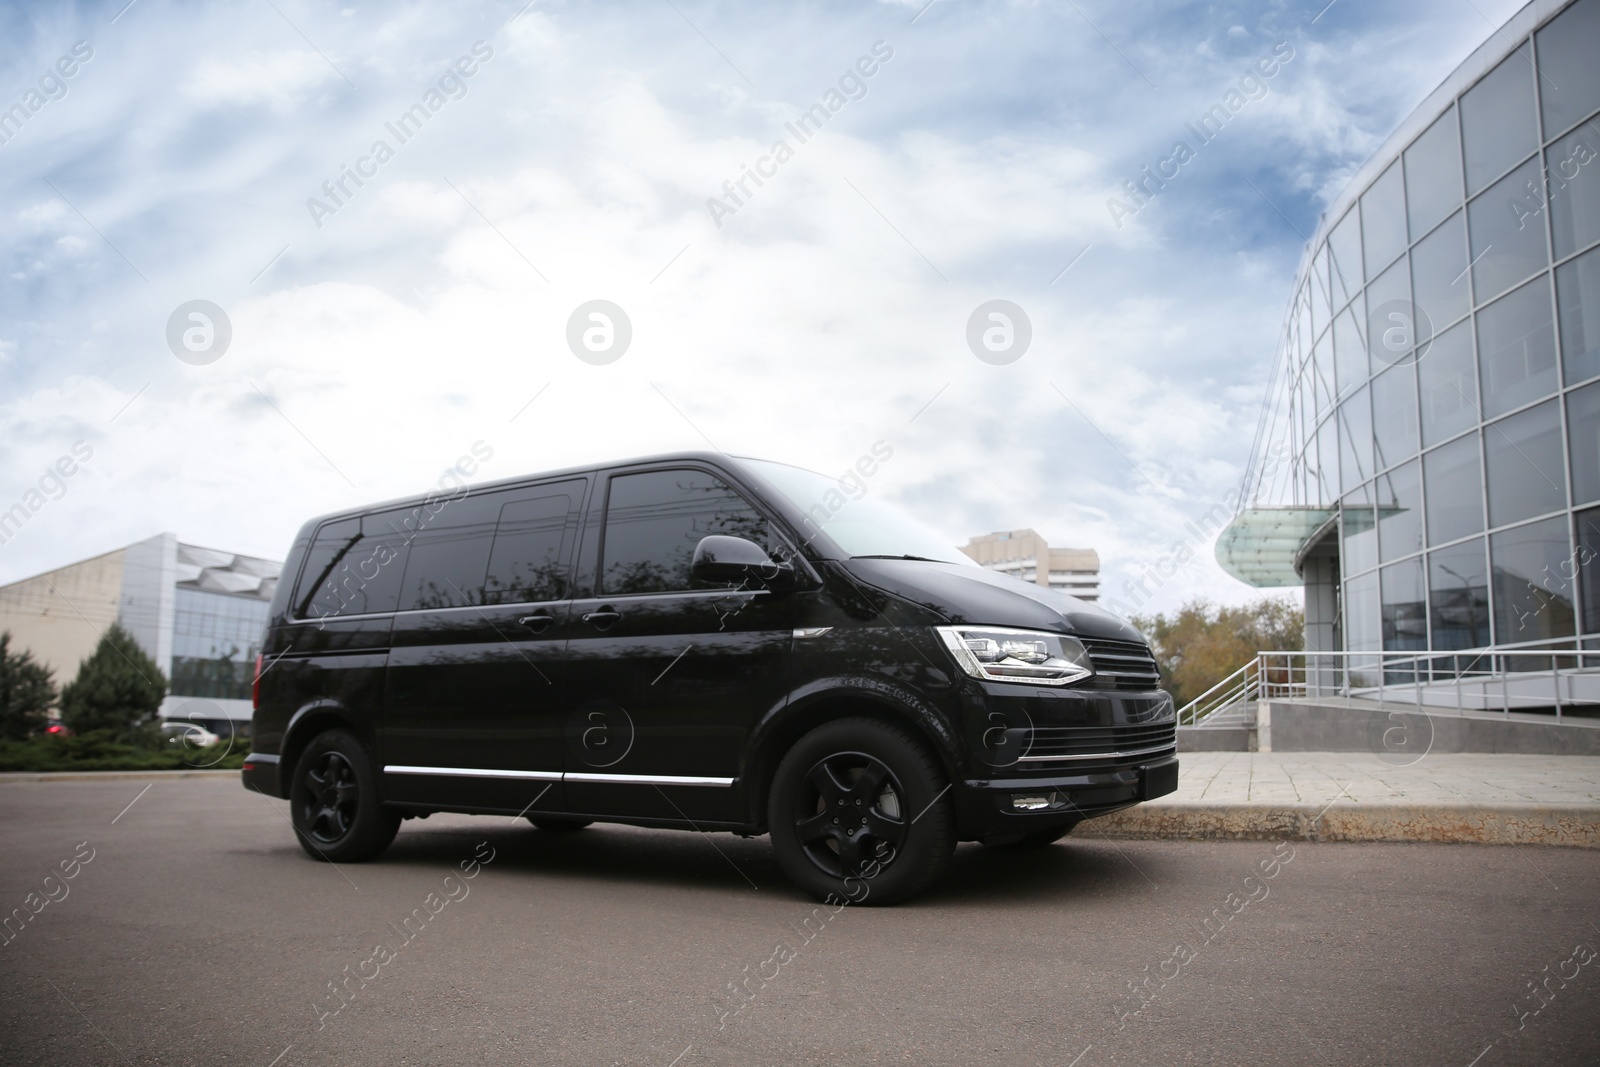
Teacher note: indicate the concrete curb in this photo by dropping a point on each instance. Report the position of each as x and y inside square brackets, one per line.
[1573, 825]
[79, 776]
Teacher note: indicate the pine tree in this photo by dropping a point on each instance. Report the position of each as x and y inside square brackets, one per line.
[26, 692]
[117, 688]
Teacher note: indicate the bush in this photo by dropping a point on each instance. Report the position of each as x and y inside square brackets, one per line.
[1202, 644]
[103, 750]
[27, 692]
[118, 688]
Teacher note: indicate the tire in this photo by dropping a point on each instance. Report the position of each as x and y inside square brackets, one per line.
[557, 825]
[1037, 839]
[333, 801]
[889, 787]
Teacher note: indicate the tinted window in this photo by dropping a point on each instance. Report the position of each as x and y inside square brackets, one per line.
[1526, 473]
[1497, 119]
[1439, 278]
[1383, 220]
[1570, 87]
[1433, 174]
[1574, 174]
[1506, 227]
[1532, 591]
[353, 567]
[1458, 584]
[655, 520]
[531, 542]
[1453, 476]
[450, 553]
[1517, 349]
[1578, 307]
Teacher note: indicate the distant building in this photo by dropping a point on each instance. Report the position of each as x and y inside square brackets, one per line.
[199, 613]
[1019, 553]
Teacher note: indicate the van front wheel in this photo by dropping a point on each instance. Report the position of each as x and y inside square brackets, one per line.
[860, 811]
[333, 801]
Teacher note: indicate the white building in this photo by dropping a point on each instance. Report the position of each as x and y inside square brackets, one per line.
[1074, 571]
[199, 613]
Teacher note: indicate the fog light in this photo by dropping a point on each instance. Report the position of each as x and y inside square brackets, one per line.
[1030, 801]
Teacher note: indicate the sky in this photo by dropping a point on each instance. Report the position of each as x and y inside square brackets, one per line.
[361, 334]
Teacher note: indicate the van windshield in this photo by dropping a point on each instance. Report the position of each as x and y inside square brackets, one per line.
[859, 523]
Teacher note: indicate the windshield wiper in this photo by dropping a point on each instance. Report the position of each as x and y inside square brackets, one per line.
[923, 559]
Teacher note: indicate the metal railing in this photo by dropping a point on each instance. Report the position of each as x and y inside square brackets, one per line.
[1482, 680]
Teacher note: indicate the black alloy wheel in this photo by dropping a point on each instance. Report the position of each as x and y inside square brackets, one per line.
[850, 810]
[334, 803]
[859, 812]
[332, 798]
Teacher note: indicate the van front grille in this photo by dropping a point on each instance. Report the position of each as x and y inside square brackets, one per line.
[1124, 664]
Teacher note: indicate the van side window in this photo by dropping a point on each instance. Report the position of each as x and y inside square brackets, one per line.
[654, 521]
[528, 562]
[353, 567]
[450, 553]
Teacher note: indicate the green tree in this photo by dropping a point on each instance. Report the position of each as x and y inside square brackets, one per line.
[118, 688]
[26, 692]
[1202, 643]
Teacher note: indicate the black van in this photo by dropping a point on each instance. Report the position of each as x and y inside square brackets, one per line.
[702, 642]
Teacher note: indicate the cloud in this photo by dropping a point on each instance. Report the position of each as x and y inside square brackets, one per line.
[825, 315]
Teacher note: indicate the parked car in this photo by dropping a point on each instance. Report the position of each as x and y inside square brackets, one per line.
[190, 734]
[57, 728]
[700, 642]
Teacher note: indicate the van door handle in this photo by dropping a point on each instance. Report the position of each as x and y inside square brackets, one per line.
[602, 619]
[536, 623]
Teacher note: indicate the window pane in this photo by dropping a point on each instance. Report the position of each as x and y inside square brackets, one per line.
[1507, 231]
[1588, 562]
[1394, 414]
[1532, 595]
[1578, 308]
[1328, 461]
[531, 540]
[1448, 383]
[215, 639]
[1517, 349]
[1454, 479]
[1391, 319]
[1439, 277]
[1433, 174]
[1497, 120]
[1317, 289]
[1363, 631]
[1526, 473]
[1458, 593]
[1322, 368]
[1570, 88]
[450, 554]
[1573, 170]
[1360, 533]
[655, 520]
[353, 567]
[1583, 438]
[1383, 220]
[1344, 258]
[1400, 511]
[1405, 617]
[1349, 349]
[1355, 441]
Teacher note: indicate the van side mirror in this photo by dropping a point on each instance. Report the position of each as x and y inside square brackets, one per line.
[720, 558]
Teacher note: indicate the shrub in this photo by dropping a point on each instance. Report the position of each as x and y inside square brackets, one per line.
[27, 692]
[118, 688]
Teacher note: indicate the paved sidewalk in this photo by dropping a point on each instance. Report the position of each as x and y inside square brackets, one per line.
[1353, 796]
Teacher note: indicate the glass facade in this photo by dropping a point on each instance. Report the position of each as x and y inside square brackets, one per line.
[215, 640]
[1440, 357]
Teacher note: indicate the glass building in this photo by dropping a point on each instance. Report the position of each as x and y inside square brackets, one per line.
[1428, 463]
[198, 612]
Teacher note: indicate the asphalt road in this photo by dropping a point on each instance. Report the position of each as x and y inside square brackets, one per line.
[198, 933]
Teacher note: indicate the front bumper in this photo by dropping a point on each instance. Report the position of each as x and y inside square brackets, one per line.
[985, 807]
[260, 774]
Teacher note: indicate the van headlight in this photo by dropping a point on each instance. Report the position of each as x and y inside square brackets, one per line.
[1002, 655]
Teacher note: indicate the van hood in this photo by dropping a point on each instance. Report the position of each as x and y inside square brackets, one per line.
[976, 596]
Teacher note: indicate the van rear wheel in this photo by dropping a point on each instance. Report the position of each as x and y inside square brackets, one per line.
[333, 801]
[859, 811]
